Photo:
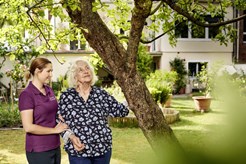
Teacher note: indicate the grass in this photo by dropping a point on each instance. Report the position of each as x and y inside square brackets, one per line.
[129, 144]
[195, 128]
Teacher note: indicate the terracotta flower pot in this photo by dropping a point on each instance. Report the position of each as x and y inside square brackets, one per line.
[169, 101]
[202, 103]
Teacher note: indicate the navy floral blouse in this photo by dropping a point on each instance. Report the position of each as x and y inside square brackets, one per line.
[88, 120]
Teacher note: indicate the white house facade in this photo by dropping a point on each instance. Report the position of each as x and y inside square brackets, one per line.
[194, 50]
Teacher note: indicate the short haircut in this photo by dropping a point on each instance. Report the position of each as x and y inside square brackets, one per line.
[72, 73]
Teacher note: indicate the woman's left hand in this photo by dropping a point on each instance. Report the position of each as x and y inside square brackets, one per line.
[76, 143]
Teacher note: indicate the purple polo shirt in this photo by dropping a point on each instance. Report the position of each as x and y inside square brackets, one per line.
[44, 114]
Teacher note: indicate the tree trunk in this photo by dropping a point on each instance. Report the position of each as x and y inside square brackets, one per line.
[148, 113]
[122, 63]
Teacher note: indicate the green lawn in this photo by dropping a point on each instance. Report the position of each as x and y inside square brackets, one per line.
[195, 130]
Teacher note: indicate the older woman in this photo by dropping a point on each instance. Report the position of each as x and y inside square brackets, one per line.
[85, 109]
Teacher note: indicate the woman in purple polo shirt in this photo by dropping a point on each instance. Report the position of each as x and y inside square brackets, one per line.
[38, 107]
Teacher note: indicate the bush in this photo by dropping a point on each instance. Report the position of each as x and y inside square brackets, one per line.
[160, 94]
[160, 85]
[178, 65]
[144, 62]
[9, 118]
[60, 85]
[236, 82]
[115, 91]
[123, 122]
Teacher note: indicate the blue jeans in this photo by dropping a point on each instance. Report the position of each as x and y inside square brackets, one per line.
[103, 159]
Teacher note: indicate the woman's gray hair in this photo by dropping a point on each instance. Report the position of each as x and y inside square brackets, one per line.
[72, 73]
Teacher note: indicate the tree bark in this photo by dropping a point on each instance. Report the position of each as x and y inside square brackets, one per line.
[122, 63]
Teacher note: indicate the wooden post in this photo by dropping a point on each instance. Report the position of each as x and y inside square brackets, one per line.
[11, 94]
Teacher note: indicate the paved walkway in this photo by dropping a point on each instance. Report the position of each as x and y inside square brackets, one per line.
[17, 128]
[181, 96]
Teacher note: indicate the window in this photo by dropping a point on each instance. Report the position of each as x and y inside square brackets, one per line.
[77, 45]
[189, 30]
[156, 63]
[182, 30]
[195, 67]
[197, 31]
[212, 31]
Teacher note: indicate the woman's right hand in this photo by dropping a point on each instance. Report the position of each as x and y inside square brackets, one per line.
[60, 127]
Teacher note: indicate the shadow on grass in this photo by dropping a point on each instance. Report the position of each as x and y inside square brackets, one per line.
[183, 122]
[217, 112]
[183, 104]
[191, 112]
[14, 140]
[3, 158]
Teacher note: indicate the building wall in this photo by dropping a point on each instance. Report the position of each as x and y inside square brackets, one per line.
[193, 49]
[61, 69]
[58, 68]
[196, 50]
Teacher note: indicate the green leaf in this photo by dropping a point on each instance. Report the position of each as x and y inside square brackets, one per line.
[94, 9]
[41, 13]
[12, 57]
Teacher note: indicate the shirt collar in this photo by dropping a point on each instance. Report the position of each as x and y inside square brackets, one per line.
[36, 91]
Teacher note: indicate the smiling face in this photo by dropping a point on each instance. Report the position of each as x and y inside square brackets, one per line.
[45, 75]
[83, 73]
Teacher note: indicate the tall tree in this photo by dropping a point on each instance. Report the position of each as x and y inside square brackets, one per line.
[117, 50]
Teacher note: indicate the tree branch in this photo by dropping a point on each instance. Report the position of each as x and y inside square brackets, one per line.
[47, 42]
[140, 13]
[146, 42]
[157, 8]
[199, 23]
[149, 41]
[3, 21]
[34, 6]
[4, 59]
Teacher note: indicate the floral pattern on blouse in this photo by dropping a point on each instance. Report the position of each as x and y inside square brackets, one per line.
[89, 120]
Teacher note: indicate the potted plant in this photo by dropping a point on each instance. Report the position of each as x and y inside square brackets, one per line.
[160, 94]
[202, 103]
[161, 86]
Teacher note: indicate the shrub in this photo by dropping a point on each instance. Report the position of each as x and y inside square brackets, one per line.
[205, 78]
[160, 84]
[115, 91]
[236, 81]
[123, 122]
[60, 85]
[144, 62]
[160, 94]
[178, 65]
[9, 118]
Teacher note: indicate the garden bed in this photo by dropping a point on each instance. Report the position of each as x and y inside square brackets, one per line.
[171, 115]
